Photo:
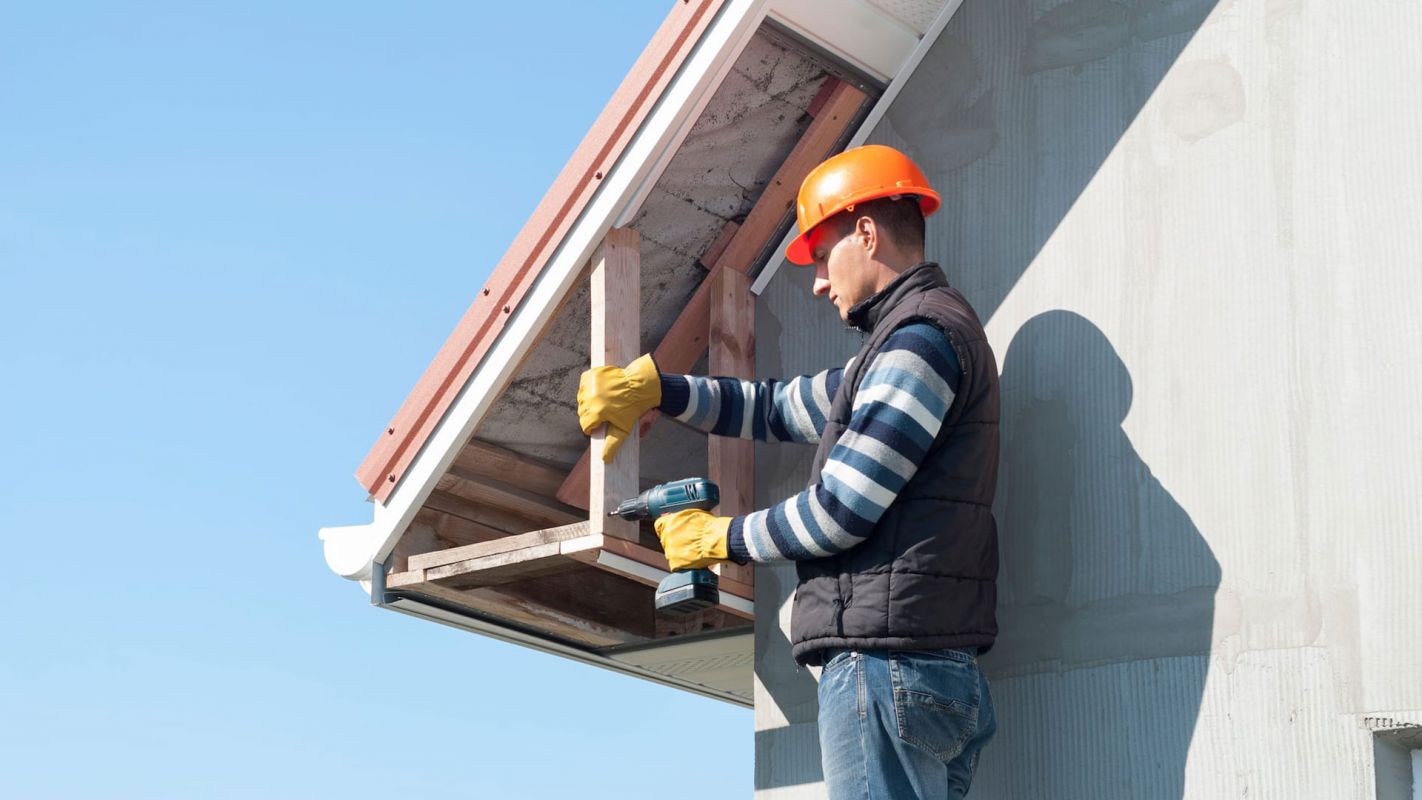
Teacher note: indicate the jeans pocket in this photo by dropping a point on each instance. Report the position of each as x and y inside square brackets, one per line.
[935, 702]
[837, 658]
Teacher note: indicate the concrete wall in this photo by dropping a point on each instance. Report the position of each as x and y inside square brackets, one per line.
[1193, 230]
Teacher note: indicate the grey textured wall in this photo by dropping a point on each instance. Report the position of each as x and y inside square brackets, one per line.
[1192, 229]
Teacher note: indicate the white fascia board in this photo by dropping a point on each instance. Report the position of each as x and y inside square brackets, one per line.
[870, 121]
[350, 550]
[630, 664]
[852, 30]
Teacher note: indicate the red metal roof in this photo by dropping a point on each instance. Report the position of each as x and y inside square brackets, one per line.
[574, 187]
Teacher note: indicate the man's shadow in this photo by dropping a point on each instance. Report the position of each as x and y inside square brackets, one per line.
[1106, 595]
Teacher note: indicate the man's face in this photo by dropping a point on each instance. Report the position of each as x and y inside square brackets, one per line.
[843, 270]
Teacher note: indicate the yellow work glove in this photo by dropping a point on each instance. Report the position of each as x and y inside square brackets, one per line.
[617, 397]
[693, 538]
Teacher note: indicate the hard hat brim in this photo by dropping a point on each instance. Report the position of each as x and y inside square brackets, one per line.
[798, 251]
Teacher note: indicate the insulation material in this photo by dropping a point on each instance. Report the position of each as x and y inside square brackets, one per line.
[1191, 229]
[751, 122]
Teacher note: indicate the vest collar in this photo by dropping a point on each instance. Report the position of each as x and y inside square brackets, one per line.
[924, 275]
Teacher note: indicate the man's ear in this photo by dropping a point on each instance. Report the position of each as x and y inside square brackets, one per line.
[867, 231]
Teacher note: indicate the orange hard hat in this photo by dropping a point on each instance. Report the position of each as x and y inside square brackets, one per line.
[854, 176]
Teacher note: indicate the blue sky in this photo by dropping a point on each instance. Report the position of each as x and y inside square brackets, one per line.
[231, 238]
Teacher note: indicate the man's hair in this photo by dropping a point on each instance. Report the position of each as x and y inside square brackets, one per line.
[900, 218]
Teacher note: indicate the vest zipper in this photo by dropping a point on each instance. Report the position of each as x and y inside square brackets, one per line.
[842, 602]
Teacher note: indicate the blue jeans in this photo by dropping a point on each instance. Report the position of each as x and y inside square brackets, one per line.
[898, 724]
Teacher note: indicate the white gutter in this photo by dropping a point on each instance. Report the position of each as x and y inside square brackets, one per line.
[350, 550]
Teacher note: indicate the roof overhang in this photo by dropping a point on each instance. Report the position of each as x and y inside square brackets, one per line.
[698, 45]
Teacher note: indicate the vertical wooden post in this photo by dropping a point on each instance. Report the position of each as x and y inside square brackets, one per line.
[616, 340]
[732, 353]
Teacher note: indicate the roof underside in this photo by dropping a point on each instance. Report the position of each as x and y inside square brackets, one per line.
[481, 536]
[749, 125]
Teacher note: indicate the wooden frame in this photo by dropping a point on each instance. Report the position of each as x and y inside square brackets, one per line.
[616, 325]
[535, 562]
[556, 579]
[550, 552]
[731, 462]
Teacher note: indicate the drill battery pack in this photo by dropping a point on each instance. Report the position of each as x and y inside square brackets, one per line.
[683, 593]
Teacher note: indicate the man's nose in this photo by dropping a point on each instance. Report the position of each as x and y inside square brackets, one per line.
[821, 287]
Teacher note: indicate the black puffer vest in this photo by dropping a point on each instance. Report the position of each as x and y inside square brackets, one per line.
[926, 577]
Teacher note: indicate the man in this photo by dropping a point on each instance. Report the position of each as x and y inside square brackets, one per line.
[894, 537]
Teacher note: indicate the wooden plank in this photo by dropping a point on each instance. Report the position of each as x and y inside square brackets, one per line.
[686, 340]
[438, 558]
[731, 462]
[492, 570]
[540, 236]
[541, 584]
[494, 519]
[454, 531]
[481, 459]
[542, 511]
[616, 340]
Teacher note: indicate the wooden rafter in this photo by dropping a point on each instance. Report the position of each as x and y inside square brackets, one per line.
[486, 460]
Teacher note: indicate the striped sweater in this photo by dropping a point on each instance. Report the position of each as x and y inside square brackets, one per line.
[902, 401]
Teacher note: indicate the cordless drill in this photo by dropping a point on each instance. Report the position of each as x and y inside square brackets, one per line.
[686, 591]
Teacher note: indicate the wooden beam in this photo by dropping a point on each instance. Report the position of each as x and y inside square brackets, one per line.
[485, 460]
[453, 531]
[453, 555]
[513, 565]
[686, 340]
[716, 248]
[616, 340]
[543, 512]
[731, 461]
[494, 519]
[544, 580]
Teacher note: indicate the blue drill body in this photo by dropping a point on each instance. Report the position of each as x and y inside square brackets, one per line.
[687, 591]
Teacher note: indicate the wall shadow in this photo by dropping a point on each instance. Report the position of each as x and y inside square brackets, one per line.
[1107, 588]
[1014, 110]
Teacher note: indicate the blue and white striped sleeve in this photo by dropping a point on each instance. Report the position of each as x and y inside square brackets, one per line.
[771, 411]
[901, 404]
